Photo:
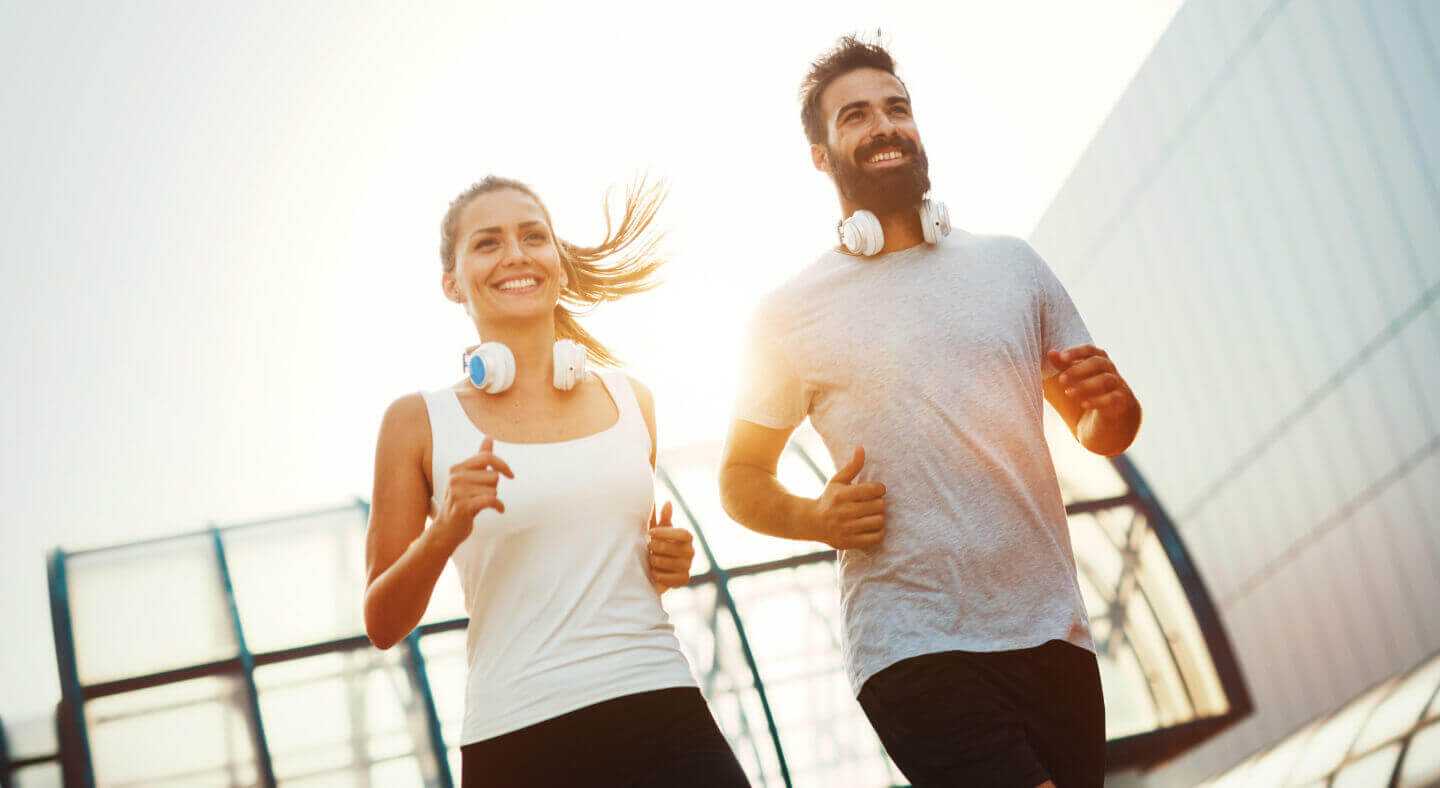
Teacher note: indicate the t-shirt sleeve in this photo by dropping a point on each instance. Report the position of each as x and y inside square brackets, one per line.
[1060, 324]
[770, 393]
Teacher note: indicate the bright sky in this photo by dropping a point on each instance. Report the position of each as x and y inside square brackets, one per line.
[219, 221]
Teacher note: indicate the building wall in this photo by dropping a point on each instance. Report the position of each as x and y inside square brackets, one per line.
[1254, 234]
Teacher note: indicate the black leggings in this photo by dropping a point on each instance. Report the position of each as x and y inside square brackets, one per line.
[659, 738]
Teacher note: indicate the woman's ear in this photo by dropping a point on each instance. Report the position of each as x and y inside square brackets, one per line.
[450, 287]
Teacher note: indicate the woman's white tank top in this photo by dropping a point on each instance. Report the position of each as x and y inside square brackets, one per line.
[562, 613]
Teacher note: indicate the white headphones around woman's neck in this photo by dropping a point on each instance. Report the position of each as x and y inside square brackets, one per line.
[861, 234]
[490, 366]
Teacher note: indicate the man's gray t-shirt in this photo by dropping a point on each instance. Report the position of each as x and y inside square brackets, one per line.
[932, 359]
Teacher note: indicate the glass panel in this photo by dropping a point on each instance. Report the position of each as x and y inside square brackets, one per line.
[1421, 768]
[1167, 598]
[187, 733]
[340, 718]
[708, 638]
[42, 775]
[1333, 737]
[694, 473]
[446, 668]
[31, 738]
[1097, 607]
[447, 601]
[1096, 556]
[298, 580]
[1129, 706]
[1273, 767]
[1400, 711]
[1118, 523]
[1237, 777]
[147, 608]
[663, 494]
[1372, 770]
[1083, 476]
[797, 475]
[792, 618]
[1172, 701]
[1433, 710]
[806, 439]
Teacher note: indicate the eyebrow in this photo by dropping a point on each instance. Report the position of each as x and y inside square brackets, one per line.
[523, 225]
[890, 101]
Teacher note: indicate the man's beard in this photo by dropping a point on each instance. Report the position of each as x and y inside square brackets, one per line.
[891, 190]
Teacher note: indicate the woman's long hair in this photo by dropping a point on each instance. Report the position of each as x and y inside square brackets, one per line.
[627, 253]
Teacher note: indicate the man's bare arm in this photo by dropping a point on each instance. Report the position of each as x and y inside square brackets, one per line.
[846, 514]
[1093, 399]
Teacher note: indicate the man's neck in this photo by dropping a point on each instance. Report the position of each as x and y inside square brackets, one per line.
[902, 228]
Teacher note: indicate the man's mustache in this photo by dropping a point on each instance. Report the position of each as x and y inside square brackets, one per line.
[864, 152]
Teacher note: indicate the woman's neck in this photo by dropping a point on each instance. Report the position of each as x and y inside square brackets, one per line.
[533, 347]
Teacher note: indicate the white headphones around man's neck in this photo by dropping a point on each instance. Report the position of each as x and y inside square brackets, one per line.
[861, 233]
[491, 366]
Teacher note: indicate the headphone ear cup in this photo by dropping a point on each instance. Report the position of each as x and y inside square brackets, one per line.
[874, 234]
[569, 358]
[862, 234]
[934, 220]
[491, 367]
[850, 235]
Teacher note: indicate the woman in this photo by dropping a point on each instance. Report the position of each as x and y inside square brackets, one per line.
[575, 676]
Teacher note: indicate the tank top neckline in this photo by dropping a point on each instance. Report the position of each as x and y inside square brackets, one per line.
[603, 377]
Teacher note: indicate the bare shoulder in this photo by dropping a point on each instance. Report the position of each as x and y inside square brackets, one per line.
[645, 397]
[406, 413]
[646, 400]
[406, 426]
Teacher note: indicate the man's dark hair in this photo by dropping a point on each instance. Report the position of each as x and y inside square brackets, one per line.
[848, 54]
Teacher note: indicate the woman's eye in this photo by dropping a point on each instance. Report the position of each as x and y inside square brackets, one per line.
[484, 243]
[536, 237]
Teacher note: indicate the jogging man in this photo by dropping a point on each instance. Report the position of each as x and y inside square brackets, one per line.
[924, 367]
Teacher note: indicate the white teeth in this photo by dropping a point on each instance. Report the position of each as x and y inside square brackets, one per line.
[518, 284]
[886, 156]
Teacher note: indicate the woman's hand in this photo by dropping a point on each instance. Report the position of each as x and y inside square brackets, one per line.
[472, 487]
[670, 551]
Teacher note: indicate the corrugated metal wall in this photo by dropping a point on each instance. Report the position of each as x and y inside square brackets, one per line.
[1255, 235]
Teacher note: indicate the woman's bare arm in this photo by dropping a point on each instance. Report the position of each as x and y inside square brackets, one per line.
[403, 559]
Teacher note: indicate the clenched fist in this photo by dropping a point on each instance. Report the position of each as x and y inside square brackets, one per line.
[847, 514]
[472, 487]
[670, 551]
[1092, 382]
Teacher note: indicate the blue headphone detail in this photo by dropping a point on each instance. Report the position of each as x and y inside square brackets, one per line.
[491, 366]
[861, 234]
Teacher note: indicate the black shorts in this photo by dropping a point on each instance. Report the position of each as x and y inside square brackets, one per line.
[661, 738]
[1010, 719]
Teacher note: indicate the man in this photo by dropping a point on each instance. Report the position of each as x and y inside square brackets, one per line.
[923, 367]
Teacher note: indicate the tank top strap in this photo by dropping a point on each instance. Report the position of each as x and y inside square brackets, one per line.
[631, 419]
[447, 418]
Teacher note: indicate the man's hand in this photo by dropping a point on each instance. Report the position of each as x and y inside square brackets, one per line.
[848, 515]
[1095, 402]
[1091, 381]
[670, 550]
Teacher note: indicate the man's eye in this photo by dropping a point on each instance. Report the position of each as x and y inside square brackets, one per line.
[901, 111]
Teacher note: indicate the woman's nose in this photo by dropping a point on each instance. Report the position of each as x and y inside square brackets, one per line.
[514, 252]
